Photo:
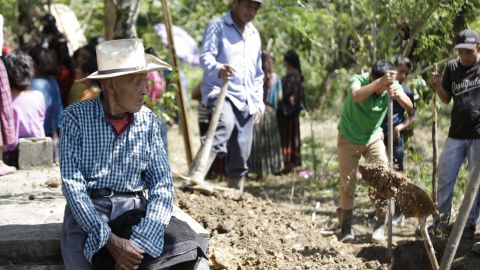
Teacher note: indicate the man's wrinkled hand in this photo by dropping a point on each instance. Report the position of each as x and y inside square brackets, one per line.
[225, 72]
[125, 252]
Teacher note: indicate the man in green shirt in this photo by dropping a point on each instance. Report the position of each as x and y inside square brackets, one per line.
[360, 134]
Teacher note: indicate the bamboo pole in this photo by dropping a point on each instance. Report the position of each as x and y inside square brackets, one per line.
[180, 98]
[414, 75]
[434, 145]
[467, 203]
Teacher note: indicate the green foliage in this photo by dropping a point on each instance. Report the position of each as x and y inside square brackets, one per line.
[335, 38]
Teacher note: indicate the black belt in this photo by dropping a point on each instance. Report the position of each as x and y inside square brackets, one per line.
[106, 192]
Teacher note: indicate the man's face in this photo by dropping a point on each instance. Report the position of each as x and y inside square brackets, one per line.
[402, 73]
[468, 57]
[128, 92]
[245, 10]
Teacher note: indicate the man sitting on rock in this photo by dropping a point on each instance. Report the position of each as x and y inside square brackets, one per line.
[360, 134]
[111, 150]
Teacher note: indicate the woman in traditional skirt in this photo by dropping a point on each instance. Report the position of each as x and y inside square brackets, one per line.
[289, 111]
[266, 154]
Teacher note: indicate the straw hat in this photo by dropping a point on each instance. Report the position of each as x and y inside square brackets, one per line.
[122, 57]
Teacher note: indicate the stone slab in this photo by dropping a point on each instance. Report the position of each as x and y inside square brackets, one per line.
[30, 244]
[31, 214]
[32, 267]
[35, 152]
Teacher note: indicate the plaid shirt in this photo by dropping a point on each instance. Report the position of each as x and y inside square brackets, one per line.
[91, 157]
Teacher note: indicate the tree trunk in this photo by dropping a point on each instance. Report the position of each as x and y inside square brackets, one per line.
[324, 88]
[374, 32]
[121, 18]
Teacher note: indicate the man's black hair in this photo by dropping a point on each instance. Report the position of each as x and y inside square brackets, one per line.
[380, 68]
[404, 61]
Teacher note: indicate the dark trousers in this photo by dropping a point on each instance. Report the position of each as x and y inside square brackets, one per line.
[74, 237]
[398, 152]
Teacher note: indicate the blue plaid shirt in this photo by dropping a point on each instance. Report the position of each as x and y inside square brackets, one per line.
[92, 157]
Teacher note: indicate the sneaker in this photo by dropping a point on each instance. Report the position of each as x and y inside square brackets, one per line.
[378, 234]
[469, 230]
[476, 248]
[347, 236]
[397, 219]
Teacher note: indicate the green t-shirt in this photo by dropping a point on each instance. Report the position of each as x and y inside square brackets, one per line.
[359, 121]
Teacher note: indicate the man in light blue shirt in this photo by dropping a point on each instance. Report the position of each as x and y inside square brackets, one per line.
[232, 50]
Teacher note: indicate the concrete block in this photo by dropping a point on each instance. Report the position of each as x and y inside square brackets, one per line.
[35, 152]
[30, 244]
[37, 247]
[32, 267]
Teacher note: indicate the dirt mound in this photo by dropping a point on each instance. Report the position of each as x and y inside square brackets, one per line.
[250, 233]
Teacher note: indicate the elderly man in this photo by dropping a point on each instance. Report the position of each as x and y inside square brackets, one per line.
[232, 51]
[460, 83]
[110, 151]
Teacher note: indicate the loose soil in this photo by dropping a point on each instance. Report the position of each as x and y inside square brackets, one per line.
[249, 232]
[252, 233]
[386, 183]
[282, 223]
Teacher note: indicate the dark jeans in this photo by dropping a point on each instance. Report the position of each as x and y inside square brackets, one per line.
[398, 152]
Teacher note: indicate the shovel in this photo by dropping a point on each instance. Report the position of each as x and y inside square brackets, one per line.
[196, 176]
[385, 184]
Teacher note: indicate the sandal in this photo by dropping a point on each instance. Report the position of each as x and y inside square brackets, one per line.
[5, 169]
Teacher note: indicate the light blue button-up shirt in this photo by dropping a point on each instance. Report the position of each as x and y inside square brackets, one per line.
[223, 44]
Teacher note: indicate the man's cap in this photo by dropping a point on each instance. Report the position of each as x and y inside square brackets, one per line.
[122, 57]
[467, 39]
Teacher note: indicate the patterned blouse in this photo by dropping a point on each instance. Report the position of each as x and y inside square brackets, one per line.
[293, 95]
